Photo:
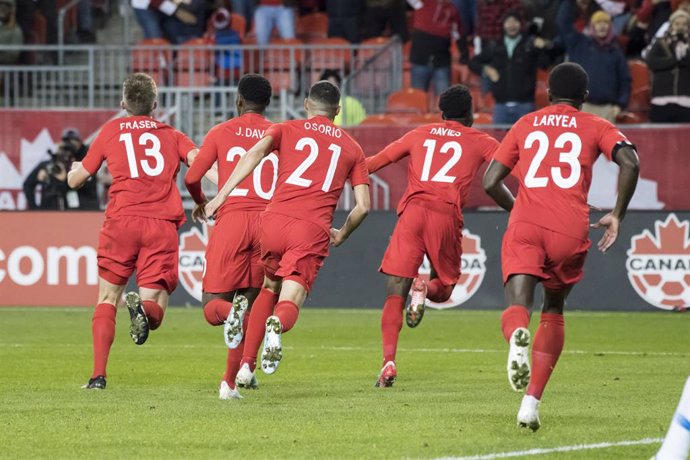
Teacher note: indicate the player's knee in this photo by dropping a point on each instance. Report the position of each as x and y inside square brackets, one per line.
[210, 314]
[442, 294]
[397, 285]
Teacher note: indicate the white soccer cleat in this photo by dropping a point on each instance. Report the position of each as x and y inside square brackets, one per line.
[232, 328]
[518, 359]
[528, 415]
[226, 392]
[414, 311]
[273, 349]
[246, 378]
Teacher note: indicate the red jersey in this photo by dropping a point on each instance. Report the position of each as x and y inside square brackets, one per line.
[552, 152]
[143, 155]
[226, 144]
[444, 158]
[316, 158]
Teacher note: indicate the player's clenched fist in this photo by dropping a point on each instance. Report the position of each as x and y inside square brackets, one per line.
[199, 213]
[337, 237]
[211, 208]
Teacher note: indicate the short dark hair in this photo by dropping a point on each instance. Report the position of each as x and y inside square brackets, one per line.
[568, 81]
[325, 92]
[255, 89]
[331, 73]
[139, 92]
[456, 102]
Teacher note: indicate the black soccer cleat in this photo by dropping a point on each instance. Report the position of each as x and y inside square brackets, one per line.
[139, 329]
[96, 383]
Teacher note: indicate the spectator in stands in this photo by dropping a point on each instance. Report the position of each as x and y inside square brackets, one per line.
[511, 65]
[177, 22]
[669, 60]
[541, 15]
[85, 29]
[25, 19]
[274, 13]
[345, 19]
[244, 8]
[490, 13]
[618, 11]
[385, 13]
[10, 33]
[598, 53]
[352, 111]
[663, 14]
[435, 23]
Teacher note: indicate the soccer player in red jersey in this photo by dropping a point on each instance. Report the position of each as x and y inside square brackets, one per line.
[316, 158]
[444, 158]
[141, 220]
[233, 274]
[551, 152]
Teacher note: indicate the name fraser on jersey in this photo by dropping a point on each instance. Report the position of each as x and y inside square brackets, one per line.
[138, 124]
[562, 121]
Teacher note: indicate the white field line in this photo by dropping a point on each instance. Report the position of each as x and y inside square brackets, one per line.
[577, 447]
[372, 350]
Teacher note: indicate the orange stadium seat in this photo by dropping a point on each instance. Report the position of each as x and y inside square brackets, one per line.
[426, 118]
[312, 27]
[194, 65]
[408, 100]
[279, 65]
[239, 24]
[378, 119]
[640, 93]
[483, 118]
[146, 58]
[321, 59]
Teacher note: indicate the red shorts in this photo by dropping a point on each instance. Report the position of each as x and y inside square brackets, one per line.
[556, 258]
[423, 229]
[292, 248]
[144, 244]
[233, 255]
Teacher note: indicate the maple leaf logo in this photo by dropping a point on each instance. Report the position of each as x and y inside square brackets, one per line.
[659, 264]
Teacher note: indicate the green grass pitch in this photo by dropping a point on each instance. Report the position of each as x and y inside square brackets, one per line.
[619, 380]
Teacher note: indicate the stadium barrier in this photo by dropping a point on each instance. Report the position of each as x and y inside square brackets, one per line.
[90, 76]
[49, 259]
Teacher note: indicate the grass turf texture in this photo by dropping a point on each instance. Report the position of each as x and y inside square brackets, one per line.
[162, 398]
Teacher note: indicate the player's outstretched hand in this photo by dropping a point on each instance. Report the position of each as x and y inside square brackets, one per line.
[336, 237]
[199, 213]
[611, 223]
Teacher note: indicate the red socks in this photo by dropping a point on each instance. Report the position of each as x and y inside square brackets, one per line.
[103, 330]
[287, 312]
[436, 291]
[391, 323]
[232, 365]
[512, 318]
[154, 313]
[216, 311]
[262, 308]
[546, 348]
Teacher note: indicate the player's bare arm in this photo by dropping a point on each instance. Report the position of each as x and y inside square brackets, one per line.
[626, 158]
[191, 156]
[77, 176]
[494, 186]
[356, 216]
[244, 168]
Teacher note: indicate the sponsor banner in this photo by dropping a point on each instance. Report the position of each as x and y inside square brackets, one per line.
[49, 258]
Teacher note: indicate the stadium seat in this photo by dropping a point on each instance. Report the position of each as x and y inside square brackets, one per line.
[378, 119]
[483, 118]
[408, 100]
[145, 57]
[280, 66]
[426, 118]
[630, 118]
[337, 55]
[640, 93]
[193, 66]
[312, 27]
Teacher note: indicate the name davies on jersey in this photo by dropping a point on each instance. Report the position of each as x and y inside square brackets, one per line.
[445, 132]
[250, 132]
[138, 124]
[559, 121]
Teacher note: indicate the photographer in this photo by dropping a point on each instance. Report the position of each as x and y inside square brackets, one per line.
[51, 175]
[88, 194]
[669, 60]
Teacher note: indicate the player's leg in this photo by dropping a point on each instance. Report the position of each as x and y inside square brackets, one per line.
[437, 291]
[676, 445]
[397, 288]
[262, 309]
[293, 293]
[103, 331]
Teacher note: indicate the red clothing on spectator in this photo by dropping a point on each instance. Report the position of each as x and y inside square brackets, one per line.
[271, 2]
[437, 18]
[490, 14]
